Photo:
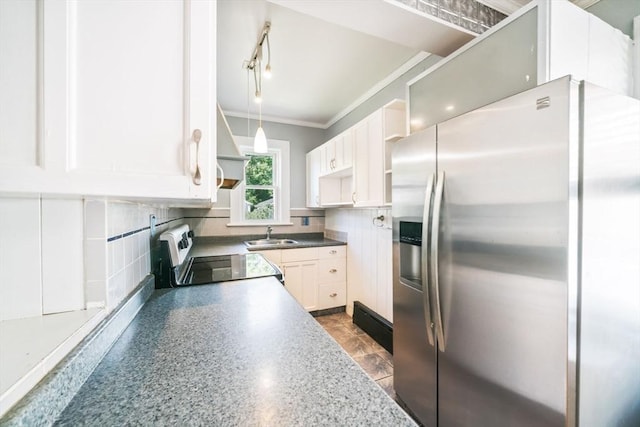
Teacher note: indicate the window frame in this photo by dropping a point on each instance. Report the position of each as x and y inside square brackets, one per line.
[279, 150]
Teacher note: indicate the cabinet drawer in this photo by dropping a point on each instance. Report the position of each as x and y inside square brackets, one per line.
[301, 254]
[332, 252]
[332, 295]
[332, 270]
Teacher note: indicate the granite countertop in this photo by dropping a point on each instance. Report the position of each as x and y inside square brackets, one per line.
[225, 245]
[238, 353]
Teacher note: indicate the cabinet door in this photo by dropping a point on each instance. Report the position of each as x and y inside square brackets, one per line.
[301, 280]
[313, 178]
[19, 89]
[368, 162]
[327, 157]
[343, 150]
[126, 84]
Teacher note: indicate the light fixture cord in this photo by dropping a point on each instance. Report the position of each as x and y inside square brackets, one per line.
[248, 100]
[268, 49]
[257, 78]
[260, 113]
[259, 87]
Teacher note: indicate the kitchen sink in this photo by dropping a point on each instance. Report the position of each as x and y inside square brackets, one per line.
[270, 242]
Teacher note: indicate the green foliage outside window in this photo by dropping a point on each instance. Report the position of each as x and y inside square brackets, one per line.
[259, 170]
[259, 191]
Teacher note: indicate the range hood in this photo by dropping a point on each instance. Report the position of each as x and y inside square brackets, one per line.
[230, 161]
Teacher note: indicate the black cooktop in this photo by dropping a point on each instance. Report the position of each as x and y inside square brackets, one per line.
[229, 267]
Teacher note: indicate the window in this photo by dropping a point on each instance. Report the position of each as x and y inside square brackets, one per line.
[263, 197]
[259, 187]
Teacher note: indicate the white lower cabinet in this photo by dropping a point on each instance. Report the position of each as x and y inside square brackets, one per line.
[332, 277]
[301, 280]
[316, 277]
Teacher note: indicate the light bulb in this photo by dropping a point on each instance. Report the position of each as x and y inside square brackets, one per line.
[260, 141]
[267, 71]
[258, 98]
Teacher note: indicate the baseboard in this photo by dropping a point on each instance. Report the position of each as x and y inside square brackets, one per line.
[378, 328]
[328, 311]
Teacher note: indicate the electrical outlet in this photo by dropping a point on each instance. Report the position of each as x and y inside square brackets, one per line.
[305, 220]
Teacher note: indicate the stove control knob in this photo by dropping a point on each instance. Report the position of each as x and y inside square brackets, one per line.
[191, 234]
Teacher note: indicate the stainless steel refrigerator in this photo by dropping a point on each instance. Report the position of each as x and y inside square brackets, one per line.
[516, 238]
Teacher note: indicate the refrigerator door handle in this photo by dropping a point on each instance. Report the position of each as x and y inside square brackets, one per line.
[435, 232]
[424, 261]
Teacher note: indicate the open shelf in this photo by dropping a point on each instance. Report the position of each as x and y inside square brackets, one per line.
[395, 137]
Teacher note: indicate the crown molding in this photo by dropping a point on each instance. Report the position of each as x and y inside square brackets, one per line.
[275, 119]
[415, 60]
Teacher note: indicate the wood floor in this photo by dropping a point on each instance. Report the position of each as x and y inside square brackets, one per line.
[374, 359]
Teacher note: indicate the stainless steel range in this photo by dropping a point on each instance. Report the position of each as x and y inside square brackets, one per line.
[174, 267]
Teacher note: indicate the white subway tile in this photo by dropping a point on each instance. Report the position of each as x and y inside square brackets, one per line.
[95, 259]
[62, 255]
[118, 255]
[96, 293]
[141, 270]
[130, 248]
[95, 219]
[20, 251]
[116, 289]
[144, 242]
[131, 276]
[147, 263]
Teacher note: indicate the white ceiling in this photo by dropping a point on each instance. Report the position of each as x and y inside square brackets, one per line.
[319, 68]
[327, 56]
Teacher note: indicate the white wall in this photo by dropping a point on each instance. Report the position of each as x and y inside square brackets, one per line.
[301, 139]
[369, 257]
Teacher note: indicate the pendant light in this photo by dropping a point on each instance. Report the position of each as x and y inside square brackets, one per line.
[255, 65]
[260, 140]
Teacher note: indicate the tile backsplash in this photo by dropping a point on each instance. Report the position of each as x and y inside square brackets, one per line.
[214, 222]
[118, 245]
[68, 254]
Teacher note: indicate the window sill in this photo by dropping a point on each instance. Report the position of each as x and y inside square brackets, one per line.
[253, 224]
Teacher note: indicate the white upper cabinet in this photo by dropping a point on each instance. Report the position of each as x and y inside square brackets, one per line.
[355, 166]
[372, 154]
[118, 94]
[313, 175]
[368, 171]
[336, 154]
[19, 84]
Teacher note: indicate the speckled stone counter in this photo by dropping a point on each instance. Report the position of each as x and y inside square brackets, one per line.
[239, 353]
[212, 246]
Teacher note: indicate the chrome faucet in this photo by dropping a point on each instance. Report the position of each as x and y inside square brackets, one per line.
[269, 230]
